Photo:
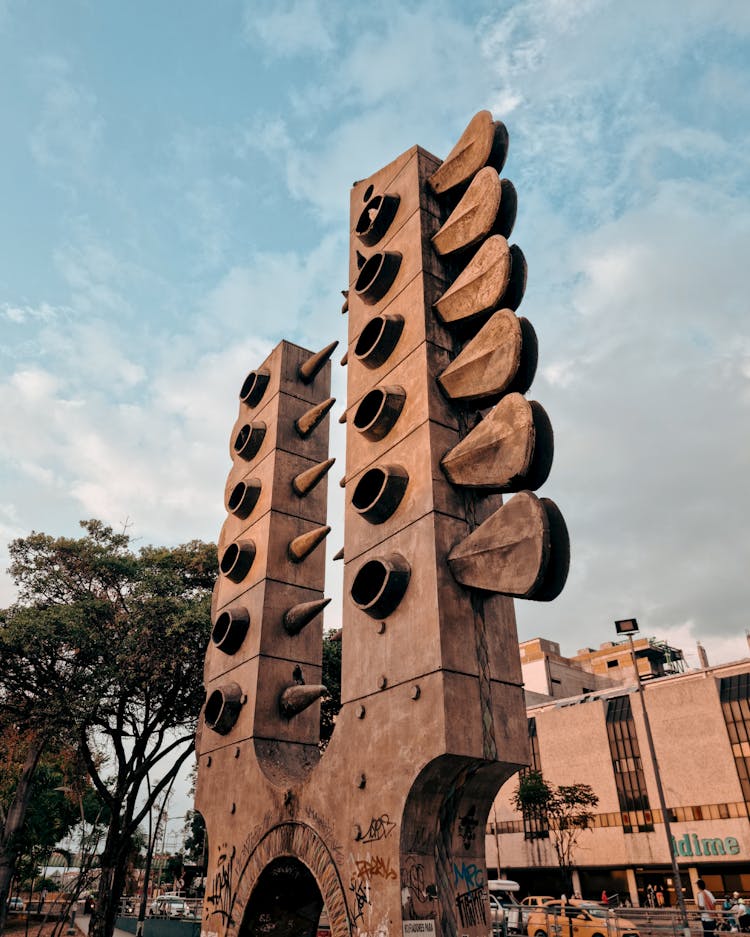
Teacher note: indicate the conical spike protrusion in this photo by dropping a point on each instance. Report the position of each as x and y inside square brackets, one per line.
[345, 359]
[295, 699]
[299, 616]
[508, 450]
[304, 483]
[484, 142]
[315, 363]
[345, 304]
[302, 546]
[313, 417]
[501, 358]
[339, 555]
[342, 418]
[521, 550]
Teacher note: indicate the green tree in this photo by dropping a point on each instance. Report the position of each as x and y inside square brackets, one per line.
[195, 838]
[120, 637]
[568, 810]
[331, 704]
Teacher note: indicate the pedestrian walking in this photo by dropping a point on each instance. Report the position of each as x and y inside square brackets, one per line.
[707, 905]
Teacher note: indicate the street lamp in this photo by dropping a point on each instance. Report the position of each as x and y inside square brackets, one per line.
[628, 626]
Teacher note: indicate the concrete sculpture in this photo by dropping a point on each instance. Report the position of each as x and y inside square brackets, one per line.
[386, 828]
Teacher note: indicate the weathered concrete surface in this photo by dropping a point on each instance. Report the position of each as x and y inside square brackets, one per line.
[386, 829]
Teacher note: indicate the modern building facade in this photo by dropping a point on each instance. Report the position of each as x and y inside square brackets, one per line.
[585, 723]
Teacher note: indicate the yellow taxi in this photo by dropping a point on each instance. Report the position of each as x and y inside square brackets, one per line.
[577, 919]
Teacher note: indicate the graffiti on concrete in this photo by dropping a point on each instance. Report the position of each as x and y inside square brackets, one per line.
[467, 827]
[375, 867]
[471, 875]
[472, 909]
[219, 897]
[417, 896]
[380, 827]
[361, 891]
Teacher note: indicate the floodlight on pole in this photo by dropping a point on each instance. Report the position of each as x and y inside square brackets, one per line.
[629, 626]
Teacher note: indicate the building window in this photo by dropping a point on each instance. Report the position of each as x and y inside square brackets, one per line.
[535, 822]
[626, 761]
[735, 703]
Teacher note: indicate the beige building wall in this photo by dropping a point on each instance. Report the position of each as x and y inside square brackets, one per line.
[698, 772]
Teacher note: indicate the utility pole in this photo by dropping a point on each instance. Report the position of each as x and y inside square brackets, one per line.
[628, 626]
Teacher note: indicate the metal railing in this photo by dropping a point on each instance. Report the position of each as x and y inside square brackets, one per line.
[129, 907]
[597, 921]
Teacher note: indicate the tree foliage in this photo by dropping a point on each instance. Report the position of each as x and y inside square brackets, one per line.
[106, 647]
[330, 704]
[567, 809]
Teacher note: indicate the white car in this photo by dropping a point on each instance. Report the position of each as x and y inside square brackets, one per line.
[169, 906]
[505, 909]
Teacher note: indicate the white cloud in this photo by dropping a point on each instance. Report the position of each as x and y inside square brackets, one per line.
[69, 128]
[293, 28]
[34, 384]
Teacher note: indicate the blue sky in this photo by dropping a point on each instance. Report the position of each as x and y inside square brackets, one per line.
[174, 200]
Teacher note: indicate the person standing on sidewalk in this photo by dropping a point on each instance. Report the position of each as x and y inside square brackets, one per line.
[707, 905]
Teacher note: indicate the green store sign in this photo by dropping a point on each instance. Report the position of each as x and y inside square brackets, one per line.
[692, 845]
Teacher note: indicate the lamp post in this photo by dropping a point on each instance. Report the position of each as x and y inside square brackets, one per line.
[67, 789]
[628, 626]
[152, 835]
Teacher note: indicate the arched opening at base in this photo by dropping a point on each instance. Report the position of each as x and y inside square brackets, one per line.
[286, 902]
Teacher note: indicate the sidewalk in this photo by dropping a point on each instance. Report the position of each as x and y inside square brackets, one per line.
[82, 923]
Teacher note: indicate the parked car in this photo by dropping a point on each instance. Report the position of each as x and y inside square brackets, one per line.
[16, 904]
[538, 899]
[169, 906]
[577, 919]
[504, 906]
[505, 910]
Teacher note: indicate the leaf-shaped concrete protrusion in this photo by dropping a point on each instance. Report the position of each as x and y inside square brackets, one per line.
[313, 417]
[299, 616]
[484, 142]
[223, 707]
[518, 273]
[488, 207]
[230, 629]
[295, 699]
[302, 546]
[254, 386]
[315, 363]
[480, 285]
[501, 358]
[521, 550]
[339, 555]
[509, 450]
[243, 497]
[304, 483]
